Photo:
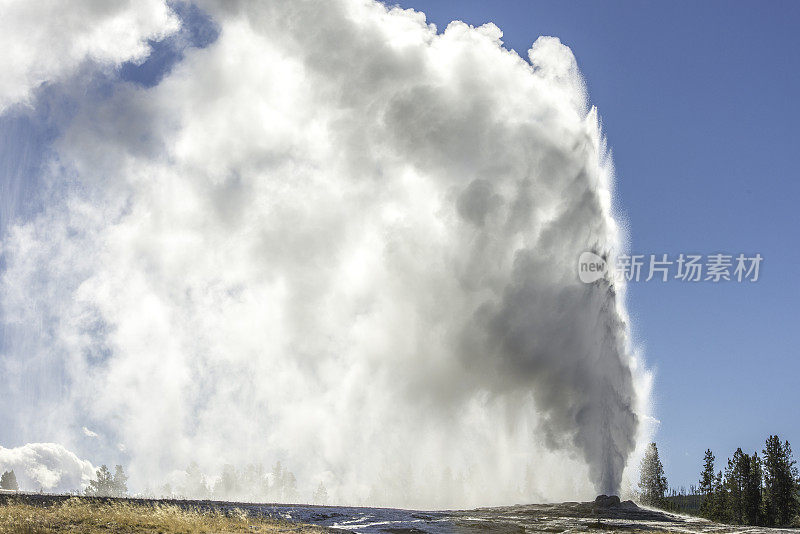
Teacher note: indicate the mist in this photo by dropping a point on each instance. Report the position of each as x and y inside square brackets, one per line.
[336, 237]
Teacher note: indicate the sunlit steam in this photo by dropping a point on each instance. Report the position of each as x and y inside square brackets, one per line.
[336, 239]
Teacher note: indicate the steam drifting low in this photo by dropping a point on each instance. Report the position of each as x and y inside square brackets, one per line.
[336, 238]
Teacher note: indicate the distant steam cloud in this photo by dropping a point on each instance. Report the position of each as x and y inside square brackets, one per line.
[337, 239]
[46, 466]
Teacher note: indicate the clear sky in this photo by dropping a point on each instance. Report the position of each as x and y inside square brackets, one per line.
[699, 103]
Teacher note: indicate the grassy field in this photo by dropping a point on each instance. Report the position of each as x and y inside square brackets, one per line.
[80, 515]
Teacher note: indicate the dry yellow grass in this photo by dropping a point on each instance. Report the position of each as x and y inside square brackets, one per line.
[84, 516]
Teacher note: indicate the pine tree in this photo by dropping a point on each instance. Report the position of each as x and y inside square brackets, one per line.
[321, 494]
[719, 508]
[276, 487]
[103, 485]
[289, 487]
[652, 483]
[252, 478]
[8, 481]
[195, 486]
[119, 484]
[737, 471]
[752, 492]
[780, 482]
[707, 484]
[229, 485]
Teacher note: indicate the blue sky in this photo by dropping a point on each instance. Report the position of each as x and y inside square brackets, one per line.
[699, 103]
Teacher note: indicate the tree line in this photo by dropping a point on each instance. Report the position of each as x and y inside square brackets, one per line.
[108, 485]
[251, 482]
[8, 481]
[750, 490]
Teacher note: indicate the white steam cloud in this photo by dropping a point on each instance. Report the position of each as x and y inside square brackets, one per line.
[46, 466]
[43, 41]
[337, 239]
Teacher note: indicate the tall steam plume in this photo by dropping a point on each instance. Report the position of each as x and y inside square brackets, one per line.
[332, 237]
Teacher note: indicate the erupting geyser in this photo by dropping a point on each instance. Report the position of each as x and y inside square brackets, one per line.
[335, 238]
